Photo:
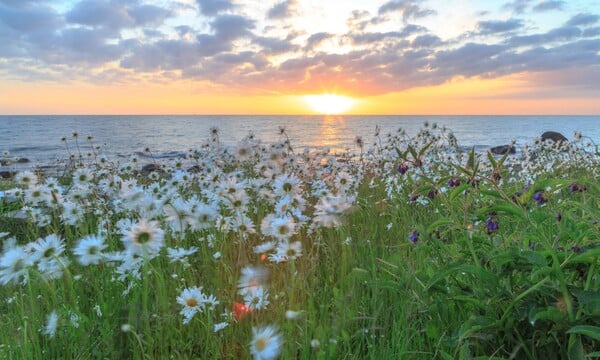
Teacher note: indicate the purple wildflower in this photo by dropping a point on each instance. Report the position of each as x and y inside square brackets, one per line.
[414, 236]
[575, 187]
[540, 197]
[492, 225]
[454, 182]
[402, 169]
[431, 194]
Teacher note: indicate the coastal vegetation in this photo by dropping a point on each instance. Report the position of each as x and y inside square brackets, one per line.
[406, 248]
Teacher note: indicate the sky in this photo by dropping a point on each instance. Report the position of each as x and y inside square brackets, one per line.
[277, 57]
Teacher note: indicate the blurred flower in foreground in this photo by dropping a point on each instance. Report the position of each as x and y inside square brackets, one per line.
[14, 264]
[252, 278]
[266, 343]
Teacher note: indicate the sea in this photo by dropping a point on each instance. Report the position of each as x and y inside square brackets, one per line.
[46, 140]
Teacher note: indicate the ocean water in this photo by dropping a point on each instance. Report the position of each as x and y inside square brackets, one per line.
[38, 138]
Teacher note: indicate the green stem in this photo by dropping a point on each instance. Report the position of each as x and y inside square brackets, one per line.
[523, 295]
[563, 286]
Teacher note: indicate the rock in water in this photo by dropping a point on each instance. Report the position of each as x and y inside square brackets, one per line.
[554, 136]
[7, 174]
[503, 149]
[149, 168]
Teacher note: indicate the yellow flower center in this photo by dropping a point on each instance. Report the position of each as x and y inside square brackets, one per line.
[191, 302]
[261, 344]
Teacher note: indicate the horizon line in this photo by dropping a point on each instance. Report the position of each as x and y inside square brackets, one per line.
[299, 114]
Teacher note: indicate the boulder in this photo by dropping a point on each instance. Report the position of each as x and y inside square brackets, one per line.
[149, 168]
[22, 160]
[6, 174]
[195, 169]
[554, 136]
[503, 149]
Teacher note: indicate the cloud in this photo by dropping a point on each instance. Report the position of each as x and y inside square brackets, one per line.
[517, 6]
[29, 19]
[231, 27]
[282, 10]
[409, 9]
[499, 26]
[316, 39]
[213, 7]
[563, 33]
[99, 13]
[548, 5]
[116, 15]
[583, 19]
[386, 50]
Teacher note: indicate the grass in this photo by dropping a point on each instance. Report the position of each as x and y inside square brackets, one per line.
[430, 253]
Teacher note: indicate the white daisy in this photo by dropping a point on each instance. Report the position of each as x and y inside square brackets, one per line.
[26, 178]
[14, 264]
[89, 250]
[257, 299]
[192, 300]
[47, 252]
[266, 343]
[279, 227]
[289, 250]
[220, 326]
[180, 254]
[145, 238]
[203, 216]
[287, 184]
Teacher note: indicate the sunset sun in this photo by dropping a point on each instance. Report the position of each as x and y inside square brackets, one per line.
[329, 104]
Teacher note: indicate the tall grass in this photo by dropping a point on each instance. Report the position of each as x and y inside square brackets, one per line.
[408, 249]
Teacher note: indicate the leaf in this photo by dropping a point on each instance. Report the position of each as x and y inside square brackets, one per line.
[401, 154]
[506, 208]
[587, 330]
[445, 355]
[422, 151]
[471, 300]
[475, 324]
[459, 190]
[412, 152]
[484, 276]
[491, 158]
[550, 313]
[462, 170]
[492, 193]
[471, 161]
[590, 257]
[465, 351]
[575, 349]
[503, 158]
[589, 301]
[442, 222]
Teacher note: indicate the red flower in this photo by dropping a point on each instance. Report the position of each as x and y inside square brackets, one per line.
[240, 310]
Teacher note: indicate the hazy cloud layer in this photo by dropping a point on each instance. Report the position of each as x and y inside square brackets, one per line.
[379, 50]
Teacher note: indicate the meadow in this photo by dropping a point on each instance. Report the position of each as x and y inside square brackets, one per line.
[404, 248]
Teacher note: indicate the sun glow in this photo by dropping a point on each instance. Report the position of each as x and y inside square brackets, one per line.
[329, 104]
